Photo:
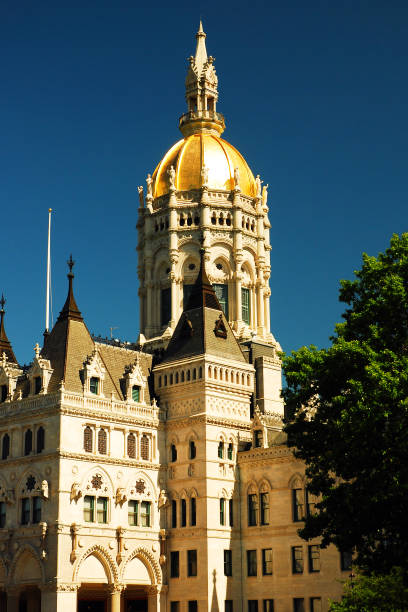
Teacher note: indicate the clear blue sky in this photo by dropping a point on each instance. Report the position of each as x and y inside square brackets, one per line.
[315, 97]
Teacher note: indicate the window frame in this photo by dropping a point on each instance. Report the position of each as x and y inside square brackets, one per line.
[298, 506]
[246, 305]
[252, 509]
[297, 560]
[193, 511]
[174, 564]
[145, 513]
[313, 553]
[3, 514]
[227, 562]
[267, 564]
[94, 385]
[133, 503]
[252, 563]
[264, 507]
[192, 569]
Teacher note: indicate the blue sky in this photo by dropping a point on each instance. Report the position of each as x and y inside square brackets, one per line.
[315, 97]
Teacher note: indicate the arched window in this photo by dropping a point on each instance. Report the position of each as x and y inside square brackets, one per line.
[252, 509]
[102, 438]
[88, 439]
[144, 447]
[264, 498]
[246, 311]
[177, 378]
[192, 450]
[165, 306]
[28, 442]
[5, 448]
[230, 451]
[200, 372]
[173, 453]
[174, 513]
[40, 439]
[183, 521]
[194, 374]
[182, 376]
[222, 511]
[221, 450]
[131, 446]
[188, 375]
[193, 512]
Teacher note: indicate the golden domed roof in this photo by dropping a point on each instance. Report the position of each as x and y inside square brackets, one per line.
[188, 156]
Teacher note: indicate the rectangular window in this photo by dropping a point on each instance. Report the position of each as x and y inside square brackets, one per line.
[228, 605]
[191, 563]
[297, 560]
[183, 517]
[268, 605]
[315, 604]
[346, 559]
[133, 509]
[174, 606]
[89, 508]
[252, 605]
[299, 604]
[227, 562]
[310, 503]
[222, 511]
[258, 438]
[2, 514]
[174, 513]
[3, 393]
[36, 509]
[25, 511]
[37, 384]
[246, 311]
[230, 452]
[165, 306]
[174, 564]
[231, 513]
[221, 450]
[193, 511]
[251, 563]
[192, 606]
[145, 507]
[264, 508]
[94, 385]
[102, 510]
[221, 291]
[136, 393]
[267, 561]
[314, 558]
[297, 498]
[252, 509]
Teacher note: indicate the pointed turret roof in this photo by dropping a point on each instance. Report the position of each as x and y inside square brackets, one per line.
[5, 344]
[201, 50]
[203, 327]
[70, 309]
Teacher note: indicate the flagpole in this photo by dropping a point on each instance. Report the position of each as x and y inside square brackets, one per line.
[47, 299]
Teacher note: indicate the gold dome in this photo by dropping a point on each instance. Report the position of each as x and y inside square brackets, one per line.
[189, 155]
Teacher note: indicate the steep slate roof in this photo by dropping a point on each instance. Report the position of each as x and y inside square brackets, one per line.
[5, 344]
[203, 327]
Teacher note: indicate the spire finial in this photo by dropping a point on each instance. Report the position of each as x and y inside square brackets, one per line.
[71, 263]
[2, 303]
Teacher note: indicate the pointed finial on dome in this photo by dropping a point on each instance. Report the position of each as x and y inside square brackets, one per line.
[201, 51]
[5, 345]
[70, 309]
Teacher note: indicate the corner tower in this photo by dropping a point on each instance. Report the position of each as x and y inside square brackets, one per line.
[203, 193]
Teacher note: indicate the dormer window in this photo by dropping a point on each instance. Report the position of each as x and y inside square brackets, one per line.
[94, 385]
[3, 395]
[37, 385]
[136, 393]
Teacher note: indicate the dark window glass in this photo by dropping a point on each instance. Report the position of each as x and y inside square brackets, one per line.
[173, 452]
[174, 606]
[191, 563]
[88, 439]
[102, 510]
[228, 606]
[299, 604]
[37, 384]
[222, 511]
[2, 514]
[231, 513]
[251, 563]
[183, 517]
[252, 509]
[174, 564]
[230, 452]
[252, 605]
[314, 558]
[94, 385]
[221, 450]
[297, 560]
[193, 511]
[136, 393]
[165, 306]
[40, 439]
[28, 442]
[298, 510]
[227, 562]
[192, 606]
[264, 508]
[5, 448]
[246, 310]
[267, 561]
[133, 509]
[258, 438]
[310, 503]
[187, 289]
[3, 393]
[193, 450]
[268, 605]
[89, 508]
[315, 604]
[102, 442]
[221, 291]
[174, 513]
[131, 446]
[346, 559]
[25, 510]
[144, 448]
[145, 514]
[37, 503]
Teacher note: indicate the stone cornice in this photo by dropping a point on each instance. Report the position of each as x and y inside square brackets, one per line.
[207, 420]
[261, 455]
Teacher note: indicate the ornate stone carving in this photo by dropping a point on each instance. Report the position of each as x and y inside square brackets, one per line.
[76, 492]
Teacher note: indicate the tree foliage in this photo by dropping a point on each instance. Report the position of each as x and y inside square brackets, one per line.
[375, 593]
[347, 416]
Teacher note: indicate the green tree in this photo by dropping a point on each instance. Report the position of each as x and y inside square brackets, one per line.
[375, 593]
[347, 416]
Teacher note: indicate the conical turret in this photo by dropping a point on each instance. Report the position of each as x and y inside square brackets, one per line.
[5, 344]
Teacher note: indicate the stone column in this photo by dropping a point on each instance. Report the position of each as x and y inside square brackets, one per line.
[260, 306]
[13, 595]
[154, 599]
[60, 598]
[115, 591]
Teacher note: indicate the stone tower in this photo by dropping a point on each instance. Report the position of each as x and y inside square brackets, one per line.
[203, 193]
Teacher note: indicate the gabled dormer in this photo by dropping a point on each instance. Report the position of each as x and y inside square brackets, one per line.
[9, 374]
[39, 373]
[134, 383]
[94, 374]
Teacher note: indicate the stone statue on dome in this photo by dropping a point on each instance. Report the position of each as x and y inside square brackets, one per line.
[204, 176]
[236, 177]
[265, 194]
[258, 186]
[172, 177]
[149, 182]
[141, 198]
